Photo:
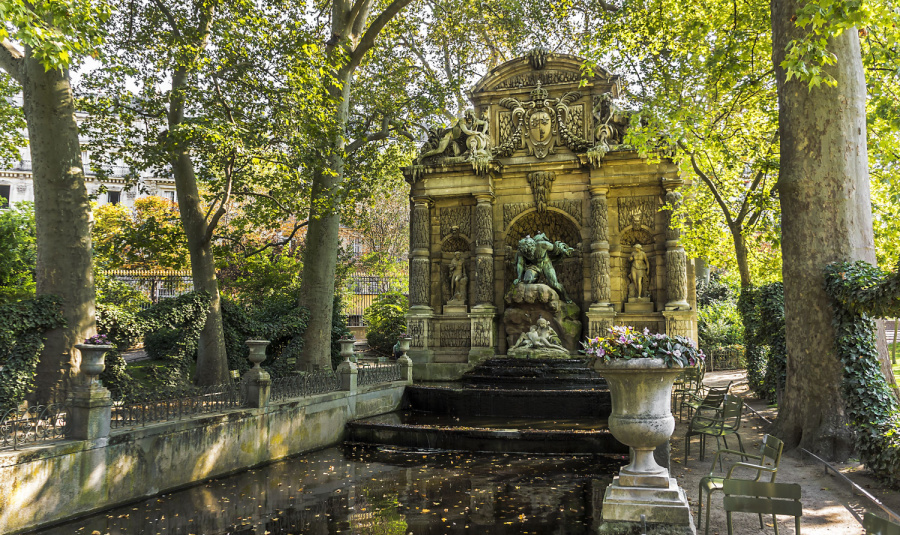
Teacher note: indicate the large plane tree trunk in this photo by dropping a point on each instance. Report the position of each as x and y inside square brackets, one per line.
[823, 185]
[63, 220]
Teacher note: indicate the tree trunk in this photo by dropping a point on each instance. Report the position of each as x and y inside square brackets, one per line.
[63, 220]
[741, 254]
[323, 240]
[826, 217]
[212, 360]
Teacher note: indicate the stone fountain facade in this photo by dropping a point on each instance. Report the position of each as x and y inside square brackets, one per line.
[540, 153]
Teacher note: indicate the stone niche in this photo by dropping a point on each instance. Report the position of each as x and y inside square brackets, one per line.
[540, 154]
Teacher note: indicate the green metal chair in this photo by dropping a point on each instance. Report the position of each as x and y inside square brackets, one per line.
[875, 525]
[774, 499]
[688, 384]
[767, 462]
[703, 399]
[719, 423]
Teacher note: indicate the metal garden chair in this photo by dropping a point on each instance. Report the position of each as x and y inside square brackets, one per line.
[687, 384]
[774, 499]
[719, 423]
[706, 397]
[766, 464]
[875, 525]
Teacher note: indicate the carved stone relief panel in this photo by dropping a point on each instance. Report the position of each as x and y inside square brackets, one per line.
[481, 332]
[456, 219]
[540, 77]
[484, 228]
[455, 334]
[419, 227]
[484, 289]
[417, 330]
[676, 275]
[575, 120]
[637, 211]
[419, 281]
[506, 127]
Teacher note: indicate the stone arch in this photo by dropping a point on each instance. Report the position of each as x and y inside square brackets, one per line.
[456, 242]
[558, 226]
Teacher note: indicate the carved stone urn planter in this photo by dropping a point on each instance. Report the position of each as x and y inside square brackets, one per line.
[93, 361]
[347, 349]
[642, 419]
[404, 342]
[257, 351]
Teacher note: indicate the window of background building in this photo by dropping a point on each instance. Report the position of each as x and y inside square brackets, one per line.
[168, 194]
[113, 197]
[4, 195]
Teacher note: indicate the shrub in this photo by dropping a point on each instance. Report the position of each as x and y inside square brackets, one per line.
[385, 320]
[719, 324]
[21, 341]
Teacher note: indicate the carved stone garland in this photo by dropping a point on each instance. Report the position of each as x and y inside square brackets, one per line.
[546, 122]
[541, 182]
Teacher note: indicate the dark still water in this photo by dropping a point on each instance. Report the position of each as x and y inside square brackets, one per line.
[378, 491]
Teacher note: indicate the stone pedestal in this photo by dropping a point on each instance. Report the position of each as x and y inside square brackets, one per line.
[483, 333]
[419, 325]
[89, 418]
[659, 504]
[406, 369]
[600, 319]
[454, 310]
[348, 374]
[680, 323]
[256, 385]
[638, 305]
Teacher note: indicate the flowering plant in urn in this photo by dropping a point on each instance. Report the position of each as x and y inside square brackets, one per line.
[626, 343]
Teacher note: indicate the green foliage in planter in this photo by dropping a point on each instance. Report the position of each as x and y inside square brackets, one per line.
[21, 341]
[859, 293]
[385, 320]
[762, 312]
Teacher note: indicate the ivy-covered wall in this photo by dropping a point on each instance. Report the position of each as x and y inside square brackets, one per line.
[21, 340]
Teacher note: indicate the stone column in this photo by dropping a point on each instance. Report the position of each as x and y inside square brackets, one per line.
[419, 256]
[676, 260]
[484, 253]
[601, 313]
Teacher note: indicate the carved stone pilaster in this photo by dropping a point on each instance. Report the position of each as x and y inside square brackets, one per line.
[419, 261]
[419, 226]
[600, 283]
[484, 251]
[483, 334]
[419, 282]
[676, 260]
[680, 323]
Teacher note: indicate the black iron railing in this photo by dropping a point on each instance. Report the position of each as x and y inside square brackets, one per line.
[32, 425]
[142, 408]
[303, 384]
[376, 374]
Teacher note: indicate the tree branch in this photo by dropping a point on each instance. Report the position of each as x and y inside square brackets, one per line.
[164, 9]
[368, 39]
[297, 226]
[229, 173]
[708, 182]
[12, 61]
[386, 124]
[280, 206]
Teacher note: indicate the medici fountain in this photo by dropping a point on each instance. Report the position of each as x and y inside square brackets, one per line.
[533, 226]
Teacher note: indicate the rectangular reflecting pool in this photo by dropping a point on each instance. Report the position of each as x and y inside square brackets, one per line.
[378, 490]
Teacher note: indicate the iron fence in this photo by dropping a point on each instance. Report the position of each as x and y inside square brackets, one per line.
[142, 408]
[303, 384]
[376, 374]
[725, 358]
[32, 425]
[155, 284]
